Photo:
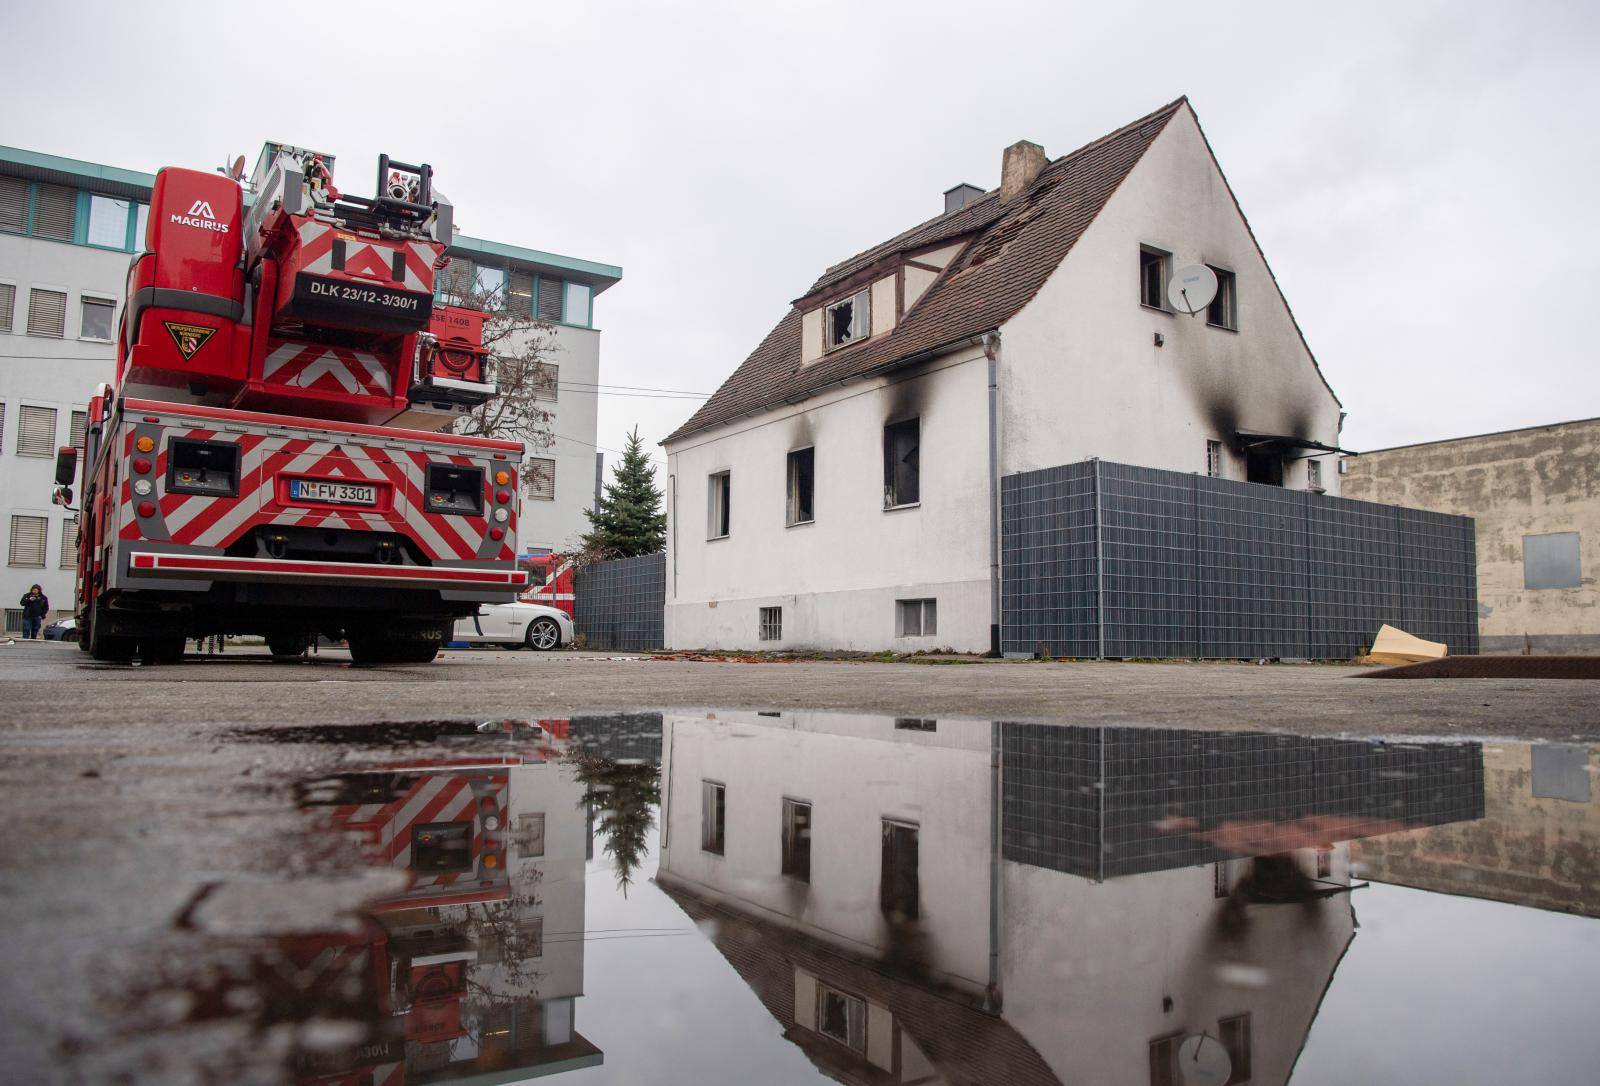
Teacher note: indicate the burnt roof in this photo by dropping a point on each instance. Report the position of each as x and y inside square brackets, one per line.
[1010, 248]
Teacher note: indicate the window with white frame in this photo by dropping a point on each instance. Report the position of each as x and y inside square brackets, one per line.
[713, 817]
[1223, 312]
[98, 319]
[108, 222]
[1314, 474]
[844, 322]
[528, 837]
[47, 313]
[28, 535]
[719, 501]
[842, 1017]
[797, 839]
[1214, 459]
[69, 543]
[902, 463]
[916, 618]
[802, 472]
[36, 431]
[1154, 271]
[770, 625]
[539, 478]
[577, 304]
[8, 305]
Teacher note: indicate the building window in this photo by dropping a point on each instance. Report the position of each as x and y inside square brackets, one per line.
[546, 377]
[550, 300]
[28, 536]
[897, 879]
[489, 287]
[69, 543]
[1548, 561]
[1314, 474]
[802, 484]
[519, 295]
[1214, 459]
[771, 624]
[108, 222]
[13, 205]
[842, 1017]
[916, 724]
[1325, 862]
[1164, 1060]
[1234, 1033]
[713, 816]
[98, 319]
[455, 282]
[141, 216]
[916, 618]
[36, 431]
[8, 305]
[1221, 879]
[719, 496]
[47, 313]
[1153, 275]
[55, 212]
[797, 840]
[80, 428]
[902, 463]
[528, 837]
[1264, 466]
[848, 321]
[13, 620]
[539, 478]
[1223, 312]
[577, 304]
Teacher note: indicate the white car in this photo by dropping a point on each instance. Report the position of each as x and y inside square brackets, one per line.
[517, 625]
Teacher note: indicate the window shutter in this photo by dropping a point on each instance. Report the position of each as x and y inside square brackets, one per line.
[8, 304]
[69, 543]
[13, 204]
[539, 479]
[546, 381]
[27, 541]
[36, 431]
[80, 428]
[47, 313]
[55, 212]
[519, 298]
[549, 299]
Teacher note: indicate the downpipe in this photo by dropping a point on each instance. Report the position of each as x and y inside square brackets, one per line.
[991, 351]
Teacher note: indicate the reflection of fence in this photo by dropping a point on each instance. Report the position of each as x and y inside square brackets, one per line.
[620, 604]
[1103, 559]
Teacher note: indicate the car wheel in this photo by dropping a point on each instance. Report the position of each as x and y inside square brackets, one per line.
[543, 634]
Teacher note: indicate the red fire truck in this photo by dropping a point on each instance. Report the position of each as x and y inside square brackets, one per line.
[274, 457]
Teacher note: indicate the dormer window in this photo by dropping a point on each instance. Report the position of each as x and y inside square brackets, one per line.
[849, 320]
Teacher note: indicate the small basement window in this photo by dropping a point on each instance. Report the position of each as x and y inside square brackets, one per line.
[1223, 312]
[771, 624]
[719, 499]
[1153, 276]
[916, 618]
[848, 321]
[802, 484]
[902, 463]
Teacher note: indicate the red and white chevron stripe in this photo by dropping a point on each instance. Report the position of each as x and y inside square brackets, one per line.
[434, 797]
[328, 369]
[367, 258]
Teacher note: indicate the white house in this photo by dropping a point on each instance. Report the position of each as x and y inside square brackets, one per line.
[840, 489]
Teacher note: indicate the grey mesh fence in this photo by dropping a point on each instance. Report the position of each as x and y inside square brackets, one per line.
[1108, 560]
[621, 604]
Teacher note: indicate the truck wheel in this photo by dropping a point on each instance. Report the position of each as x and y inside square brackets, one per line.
[287, 646]
[112, 648]
[370, 647]
[162, 649]
[543, 634]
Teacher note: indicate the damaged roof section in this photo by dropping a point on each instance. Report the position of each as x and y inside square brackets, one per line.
[1011, 247]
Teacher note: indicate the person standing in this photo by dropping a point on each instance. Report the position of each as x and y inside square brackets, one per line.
[35, 607]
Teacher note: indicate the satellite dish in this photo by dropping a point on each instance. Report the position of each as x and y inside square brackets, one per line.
[238, 168]
[1192, 289]
[1203, 1061]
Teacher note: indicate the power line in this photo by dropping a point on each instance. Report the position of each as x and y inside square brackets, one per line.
[635, 388]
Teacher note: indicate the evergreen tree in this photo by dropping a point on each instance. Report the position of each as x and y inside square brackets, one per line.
[628, 520]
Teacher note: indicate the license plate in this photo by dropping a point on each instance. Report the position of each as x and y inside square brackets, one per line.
[314, 490]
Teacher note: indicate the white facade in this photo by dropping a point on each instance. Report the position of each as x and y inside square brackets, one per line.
[1078, 374]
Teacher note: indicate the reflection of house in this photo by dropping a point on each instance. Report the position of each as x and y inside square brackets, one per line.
[1537, 844]
[1108, 892]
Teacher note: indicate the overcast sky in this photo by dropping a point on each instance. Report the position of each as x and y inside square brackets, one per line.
[1422, 177]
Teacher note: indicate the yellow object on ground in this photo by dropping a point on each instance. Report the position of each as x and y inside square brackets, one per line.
[1394, 646]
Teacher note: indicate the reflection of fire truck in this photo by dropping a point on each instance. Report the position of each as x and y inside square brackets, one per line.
[272, 458]
[550, 581]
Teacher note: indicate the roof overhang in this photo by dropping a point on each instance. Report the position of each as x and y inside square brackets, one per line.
[1251, 439]
[56, 170]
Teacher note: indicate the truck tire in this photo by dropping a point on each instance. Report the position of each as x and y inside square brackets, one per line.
[111, 648]
[373, 647]
[287, 646]
[162, 648]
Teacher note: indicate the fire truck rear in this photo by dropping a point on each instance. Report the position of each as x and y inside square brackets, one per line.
[274, 457]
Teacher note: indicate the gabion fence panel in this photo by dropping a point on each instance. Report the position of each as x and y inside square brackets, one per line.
[1109, 560]
[621, 604]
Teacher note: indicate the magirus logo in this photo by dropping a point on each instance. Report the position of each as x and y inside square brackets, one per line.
[201, 217]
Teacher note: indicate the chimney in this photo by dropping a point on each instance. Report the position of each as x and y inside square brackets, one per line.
[1022, 163]
[960, 196]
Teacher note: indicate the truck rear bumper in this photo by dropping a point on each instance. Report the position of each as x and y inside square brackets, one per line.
[207, 567]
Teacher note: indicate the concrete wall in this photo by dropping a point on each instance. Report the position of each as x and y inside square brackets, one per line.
[56, 373]
[1524, 482]
[837, 577]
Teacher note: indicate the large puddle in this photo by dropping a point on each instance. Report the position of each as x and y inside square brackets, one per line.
[802, 896]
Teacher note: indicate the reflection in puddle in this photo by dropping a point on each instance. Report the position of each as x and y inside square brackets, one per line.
[871, 899]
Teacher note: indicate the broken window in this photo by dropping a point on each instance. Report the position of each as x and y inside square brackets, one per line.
[897, 880]
[802, 481]
[849, 320]
[1214, 459]
[902, 482]
[1223, 310]
[916, 724]
[719, 497]
[771, 624]
[797, 839]
[1153, 277]
[1264, 466]
[842, 1017]
[916, 618]
[713, 816]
